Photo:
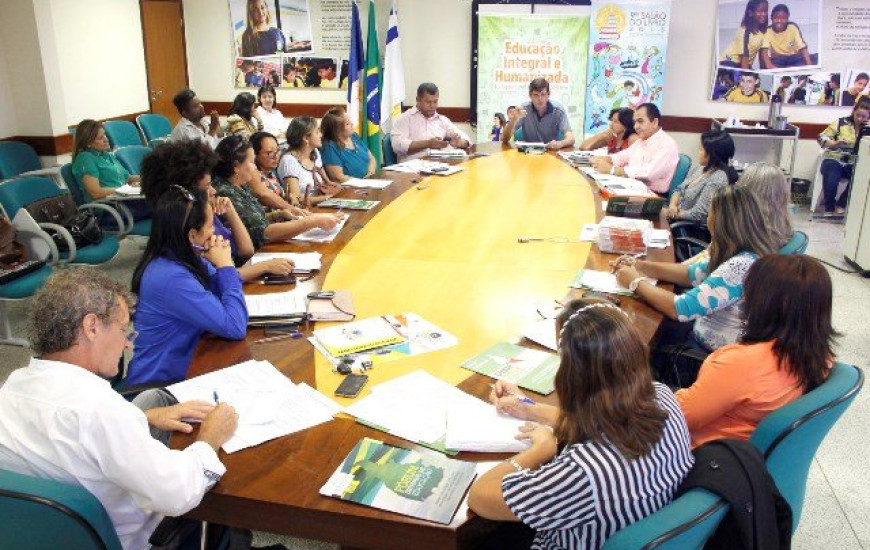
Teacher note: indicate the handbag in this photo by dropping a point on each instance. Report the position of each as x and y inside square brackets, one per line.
[12, 252]
[61, 210]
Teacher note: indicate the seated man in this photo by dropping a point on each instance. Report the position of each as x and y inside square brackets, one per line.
[59, 418]
[193, 124]
[421, 128]
[652, 159]
[548, 123]
[747, 91]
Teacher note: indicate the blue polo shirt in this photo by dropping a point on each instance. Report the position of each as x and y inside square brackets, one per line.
[553, 125]
[354, 162]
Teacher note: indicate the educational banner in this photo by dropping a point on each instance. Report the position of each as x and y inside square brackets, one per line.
[627, 51]
[290, 43]
[808, 52]
[515, 49]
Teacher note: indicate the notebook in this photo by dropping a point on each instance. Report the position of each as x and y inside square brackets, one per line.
[338, 308]
[355, 336]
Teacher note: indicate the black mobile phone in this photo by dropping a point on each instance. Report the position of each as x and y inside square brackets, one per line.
[601, 296]
[274, 279]
[351, 385]
[322, 295]
[438, 169]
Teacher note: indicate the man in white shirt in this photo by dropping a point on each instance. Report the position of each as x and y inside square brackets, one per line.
[193, 124]
[421, 128]
[652, 159]
[60, 419]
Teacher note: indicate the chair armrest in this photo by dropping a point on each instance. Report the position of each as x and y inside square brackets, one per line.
[50, 171]
[122, 209]
[692, 240]
[122, 228]
[61, 230]
[44, 237]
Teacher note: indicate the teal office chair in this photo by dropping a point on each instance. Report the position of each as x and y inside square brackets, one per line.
[129, 226]
[20, 159]
[684, 524]
[131, 157]
[790, 435]
[42, 513]
[122, 133]
[388, 153]
[797, 245]
[19, 289]
[680, 173]
[155, 128]
[18, 193]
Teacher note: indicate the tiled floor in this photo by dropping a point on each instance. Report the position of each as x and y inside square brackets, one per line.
[836, 512]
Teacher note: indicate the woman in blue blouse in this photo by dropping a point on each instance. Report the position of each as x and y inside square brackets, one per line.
[344, 154]
[186, 285]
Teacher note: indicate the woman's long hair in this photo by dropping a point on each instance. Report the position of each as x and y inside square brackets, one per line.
[177, 212]
[788, 299]
[243, 105]
[248, 34]
[232, 150]
[86, 133]
[738, 225]
[331, 124]
[768, 184]
[720, 150]
[626, 118]
[748, 21]
[604, 385]
[298, 129]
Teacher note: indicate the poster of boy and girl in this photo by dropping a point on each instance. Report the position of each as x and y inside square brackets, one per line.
[764, 49]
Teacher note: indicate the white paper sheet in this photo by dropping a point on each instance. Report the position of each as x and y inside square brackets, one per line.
[367, 183]
[543, 332]
[318, 235]
[308, 261]
[275, 304]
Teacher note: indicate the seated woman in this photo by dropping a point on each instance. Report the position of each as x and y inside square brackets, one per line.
[235, 168]
[618, 136]
[243, 120]
[98, 171]
[739, 238]
[345, 155]
[612, 419]
[188, 164]
[266, 186]
[837, 137]
[691, 201]
[785, 351]
[301, 168]
[273, 120]
[186, 285]
[767, 182]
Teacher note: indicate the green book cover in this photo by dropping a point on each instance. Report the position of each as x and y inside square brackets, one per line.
[527, 368]
[425, 486]
[349, 204]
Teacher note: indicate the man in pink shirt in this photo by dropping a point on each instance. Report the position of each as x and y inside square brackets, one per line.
[421, 128]
[652, 159]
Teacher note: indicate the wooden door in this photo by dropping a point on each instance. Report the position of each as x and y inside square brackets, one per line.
[165, 54]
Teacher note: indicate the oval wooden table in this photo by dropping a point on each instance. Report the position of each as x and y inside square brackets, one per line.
[445, 248]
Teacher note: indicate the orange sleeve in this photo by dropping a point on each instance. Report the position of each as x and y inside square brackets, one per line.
[723, 382]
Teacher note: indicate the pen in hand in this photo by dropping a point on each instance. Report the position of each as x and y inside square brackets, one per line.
[520, 398]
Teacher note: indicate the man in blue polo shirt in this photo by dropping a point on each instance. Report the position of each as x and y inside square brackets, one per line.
[540, 120]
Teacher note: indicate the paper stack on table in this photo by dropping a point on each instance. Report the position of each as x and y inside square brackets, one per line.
[367, 183]
[302, 261]
[449, 153]
[416, 166]
[276, 304]
[128, 189]
[317, 235]
[269, 404]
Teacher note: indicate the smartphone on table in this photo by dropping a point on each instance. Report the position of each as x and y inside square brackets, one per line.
[351, 385]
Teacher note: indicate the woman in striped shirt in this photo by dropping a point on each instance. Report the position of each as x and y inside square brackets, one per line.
[612, 452]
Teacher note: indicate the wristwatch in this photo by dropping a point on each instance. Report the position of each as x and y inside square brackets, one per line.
[632, 286]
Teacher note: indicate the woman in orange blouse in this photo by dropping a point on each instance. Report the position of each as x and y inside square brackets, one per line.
[786, 350]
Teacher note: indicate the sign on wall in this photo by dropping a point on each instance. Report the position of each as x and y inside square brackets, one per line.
[627, 51]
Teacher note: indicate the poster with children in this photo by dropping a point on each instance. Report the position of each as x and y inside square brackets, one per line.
[803, 51]
[627, 50]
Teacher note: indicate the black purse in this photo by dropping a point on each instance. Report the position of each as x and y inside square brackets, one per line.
[61, 210]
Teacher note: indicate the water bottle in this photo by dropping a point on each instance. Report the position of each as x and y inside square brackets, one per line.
[775, 110]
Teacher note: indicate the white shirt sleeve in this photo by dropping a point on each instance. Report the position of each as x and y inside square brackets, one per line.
[400, 135]
[159, 479]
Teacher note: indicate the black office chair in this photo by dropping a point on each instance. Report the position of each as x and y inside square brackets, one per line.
[690, 239]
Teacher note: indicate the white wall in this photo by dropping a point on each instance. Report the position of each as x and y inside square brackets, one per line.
[8, 118]
[102, 63]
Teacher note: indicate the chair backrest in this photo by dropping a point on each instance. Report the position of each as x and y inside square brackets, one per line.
[685, 523]
[797, 245]
[73, 184]
[680, 173]
[122, 133]
[389, 154]
[790, 435]
[42, 513]
[16, 158]
[17, 193]
[153, 126]
[131, 157]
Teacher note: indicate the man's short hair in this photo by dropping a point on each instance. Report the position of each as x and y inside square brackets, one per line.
[539, 85]
[427, 88]
[741, 74]
[652, 111]
[58, 308]
[511, 107]
[182, 99]
[862, 76]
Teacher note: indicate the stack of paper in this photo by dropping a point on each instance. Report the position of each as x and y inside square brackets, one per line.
[367, 183]
[277, 307]
[268, 403]
[450, 153]
[417, 407]
[302, 262]
[416, 166]
[128, 189]
[618, 186]
[658, 238]
[602, 281]
[318, 235]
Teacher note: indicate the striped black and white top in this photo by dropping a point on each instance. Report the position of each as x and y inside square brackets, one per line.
[590, 491]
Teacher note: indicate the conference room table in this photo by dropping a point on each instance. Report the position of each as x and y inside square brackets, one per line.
[446, 248]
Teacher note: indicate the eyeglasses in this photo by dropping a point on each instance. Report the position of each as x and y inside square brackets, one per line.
[271, 154]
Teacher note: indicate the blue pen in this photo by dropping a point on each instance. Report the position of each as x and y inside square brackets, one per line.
[520, 398]
[216, 400]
